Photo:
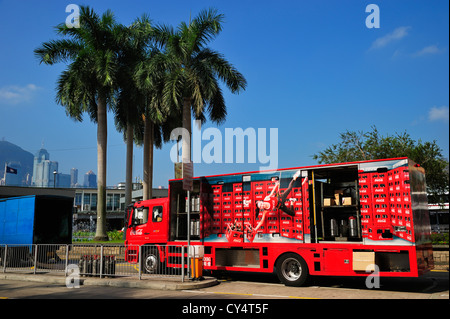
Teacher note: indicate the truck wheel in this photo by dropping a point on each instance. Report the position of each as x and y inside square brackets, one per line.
[150, 260]
[292, 270]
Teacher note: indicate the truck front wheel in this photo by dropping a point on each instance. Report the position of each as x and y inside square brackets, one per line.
[150, 263]
[292, 270]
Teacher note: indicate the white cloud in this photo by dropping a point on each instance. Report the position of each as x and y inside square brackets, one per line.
[438, 114]
[431, 49]
[397, 34]
[14, 94]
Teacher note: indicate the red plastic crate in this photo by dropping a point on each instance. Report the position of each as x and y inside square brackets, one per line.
[380, 189]
[237, 188]
[271, 229]
[298, 233]
[379, 178]
[296, 192]
[364, 178]
[272, 221]
[227, 197]
[376, 232]
[286, 221]
[287, 232]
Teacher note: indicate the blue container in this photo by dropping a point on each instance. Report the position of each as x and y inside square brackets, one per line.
[36, 220]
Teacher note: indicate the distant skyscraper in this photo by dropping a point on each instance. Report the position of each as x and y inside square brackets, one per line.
[73, 177]
[63, 180]
[43, 169]
[90, 179]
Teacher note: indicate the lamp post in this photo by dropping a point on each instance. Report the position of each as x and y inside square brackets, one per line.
[54, 178]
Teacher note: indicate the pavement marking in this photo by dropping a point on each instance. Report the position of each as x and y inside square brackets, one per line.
[242, 294]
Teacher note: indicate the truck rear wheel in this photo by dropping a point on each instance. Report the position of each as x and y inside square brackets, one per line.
[150, 263]
[292, 270]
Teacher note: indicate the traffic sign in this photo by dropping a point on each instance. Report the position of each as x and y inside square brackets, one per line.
[188, 172]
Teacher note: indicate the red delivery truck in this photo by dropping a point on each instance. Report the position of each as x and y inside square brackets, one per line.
[344, 219]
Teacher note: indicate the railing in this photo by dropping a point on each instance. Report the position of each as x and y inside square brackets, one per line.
[101, 260]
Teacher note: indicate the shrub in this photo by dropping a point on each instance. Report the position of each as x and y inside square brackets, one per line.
[439, 239]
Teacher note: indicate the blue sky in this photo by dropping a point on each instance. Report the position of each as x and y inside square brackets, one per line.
[314, 70]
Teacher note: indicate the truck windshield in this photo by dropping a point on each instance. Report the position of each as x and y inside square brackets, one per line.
[139, 216]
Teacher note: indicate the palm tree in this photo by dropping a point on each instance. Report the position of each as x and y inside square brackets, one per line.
[130, 100]
[158, 120]
[88, 82]
[193, 71]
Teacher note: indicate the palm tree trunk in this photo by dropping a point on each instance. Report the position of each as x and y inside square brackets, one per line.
[129, 165]
[186, 145]
[102, 133]
[148, 159]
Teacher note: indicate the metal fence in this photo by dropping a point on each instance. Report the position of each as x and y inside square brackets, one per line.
[96, 260]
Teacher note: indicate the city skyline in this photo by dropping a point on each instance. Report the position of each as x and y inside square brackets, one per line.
[314, 71]
[46, 174]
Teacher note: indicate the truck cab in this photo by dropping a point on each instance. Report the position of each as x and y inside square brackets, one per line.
[147, 222]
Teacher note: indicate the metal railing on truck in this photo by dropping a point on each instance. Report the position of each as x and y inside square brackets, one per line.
[95, 260]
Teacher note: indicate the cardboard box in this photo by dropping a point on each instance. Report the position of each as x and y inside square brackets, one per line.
[363, 261]
[338, 196]
[328, 202]
[346, 201]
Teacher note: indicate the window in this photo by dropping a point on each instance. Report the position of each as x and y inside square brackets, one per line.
[116, 202]
[94, 202]
[157, 214]
[140, 215]
[109, 202]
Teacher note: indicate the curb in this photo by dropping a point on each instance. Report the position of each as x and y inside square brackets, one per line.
[115, 282]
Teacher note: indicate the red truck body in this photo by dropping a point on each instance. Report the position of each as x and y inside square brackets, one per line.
[348, 219]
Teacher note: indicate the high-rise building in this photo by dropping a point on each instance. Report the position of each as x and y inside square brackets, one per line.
[90, 180]
[44, 170]
[63, 180]
[73, 177]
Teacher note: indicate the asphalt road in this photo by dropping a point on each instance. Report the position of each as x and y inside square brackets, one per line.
[236, 296]
[434, 285]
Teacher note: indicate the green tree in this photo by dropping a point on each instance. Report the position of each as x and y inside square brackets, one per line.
[87, 84]
[359, 146]
[193, 71]
[130, 101]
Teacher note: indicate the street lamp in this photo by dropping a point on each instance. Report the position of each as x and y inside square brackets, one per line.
[54, 178]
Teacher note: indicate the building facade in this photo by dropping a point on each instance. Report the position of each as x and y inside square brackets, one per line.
[43, 170]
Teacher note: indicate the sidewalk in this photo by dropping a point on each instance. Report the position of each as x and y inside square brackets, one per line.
[169, 283]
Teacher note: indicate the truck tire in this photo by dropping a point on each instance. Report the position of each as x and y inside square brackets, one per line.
[150, 260]
[292, 270]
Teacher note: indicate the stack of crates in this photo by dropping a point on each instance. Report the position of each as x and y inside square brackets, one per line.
[272, 218]
[400, 202]
[286, 221]
[292, 227]
[259, 193]
[238, 207]
[380, 207]
[206, 217]
[374, 200]
[227, 210]
[217, 209]
[300, 204]
[365, 188]
[386, 204]
[247, 209]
